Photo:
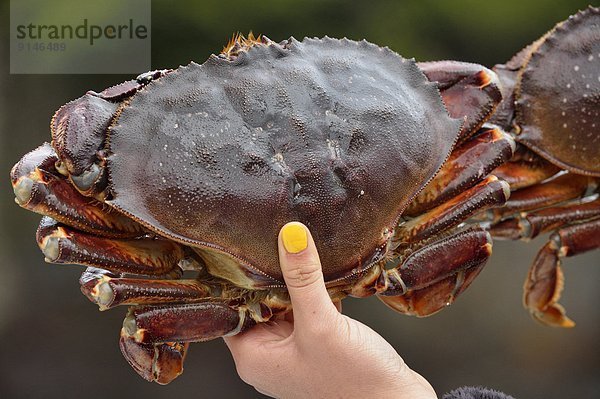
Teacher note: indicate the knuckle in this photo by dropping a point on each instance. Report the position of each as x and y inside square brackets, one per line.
[304, 274]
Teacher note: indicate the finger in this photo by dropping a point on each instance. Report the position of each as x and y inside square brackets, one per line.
[303, 276]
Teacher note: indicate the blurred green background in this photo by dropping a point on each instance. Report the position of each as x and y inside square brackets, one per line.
[55, 344]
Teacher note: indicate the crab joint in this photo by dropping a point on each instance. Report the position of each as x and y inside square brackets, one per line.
[484, 78]
[50, 248]
[131, 328]
[23, 188]
[103, 293]
[50, 239]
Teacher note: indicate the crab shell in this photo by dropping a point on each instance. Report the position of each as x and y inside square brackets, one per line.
[556, 83]
[337, 134]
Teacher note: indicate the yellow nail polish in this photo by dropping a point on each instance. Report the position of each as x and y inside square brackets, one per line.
[294, 238]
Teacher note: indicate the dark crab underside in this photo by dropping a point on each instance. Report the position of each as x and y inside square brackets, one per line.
[337, 134]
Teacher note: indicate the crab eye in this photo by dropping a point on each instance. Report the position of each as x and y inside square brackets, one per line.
[85, 180]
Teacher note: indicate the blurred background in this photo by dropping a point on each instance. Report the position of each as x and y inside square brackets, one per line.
[54, 342]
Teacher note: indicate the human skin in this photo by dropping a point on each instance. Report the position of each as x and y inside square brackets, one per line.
[317, 352]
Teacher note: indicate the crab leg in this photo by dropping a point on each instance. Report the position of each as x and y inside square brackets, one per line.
[107, 291]
[529, 225]
[562, 188]
[61, 244]
[40, 188]
[152, 338]
[545, 279]
[469, 91]
[433, 276]
[489, 193]
[523, 171]
[192, 322]
[467, 165]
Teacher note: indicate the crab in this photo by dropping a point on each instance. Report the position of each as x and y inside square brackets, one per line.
[171, 188]
[552, 108]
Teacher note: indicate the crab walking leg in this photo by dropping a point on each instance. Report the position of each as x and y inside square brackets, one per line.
[489, 193]
[432, 277]
[108, 292]
[193, 322]
[523, 171]
[528, 225]
[469, 91]
[160, 363]
[40, 188]
[154, 338]
[544, 282]
[149, 256]
[561, 188]
[468, 165]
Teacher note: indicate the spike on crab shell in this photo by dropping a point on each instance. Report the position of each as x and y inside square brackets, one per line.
[239, 43]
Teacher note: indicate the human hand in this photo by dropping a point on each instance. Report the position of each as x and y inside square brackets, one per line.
[317, 352]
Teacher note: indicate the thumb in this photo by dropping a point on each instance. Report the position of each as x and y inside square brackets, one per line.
[303, 276]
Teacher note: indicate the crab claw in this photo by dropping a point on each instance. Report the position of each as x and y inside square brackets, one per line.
[78, 135]
[160, 363]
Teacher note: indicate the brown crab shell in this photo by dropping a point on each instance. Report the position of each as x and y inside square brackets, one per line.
[558, 97]
[337, 134]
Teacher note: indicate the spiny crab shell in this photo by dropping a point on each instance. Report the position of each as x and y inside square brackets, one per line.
[221, 155]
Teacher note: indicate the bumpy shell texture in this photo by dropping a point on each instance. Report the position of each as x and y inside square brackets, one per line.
[337, 134]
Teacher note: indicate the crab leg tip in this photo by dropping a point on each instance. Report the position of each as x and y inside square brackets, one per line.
[129, 325]
[50, 248]
[500, 135]
[103, 294]
[22, 189]
[505, 189]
